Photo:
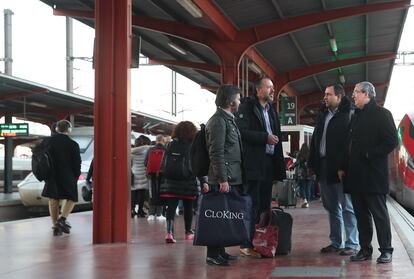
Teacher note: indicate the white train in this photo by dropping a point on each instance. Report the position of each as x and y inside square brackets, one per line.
[30, 188]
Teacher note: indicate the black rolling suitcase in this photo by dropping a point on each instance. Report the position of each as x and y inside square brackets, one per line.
[283, 221]
[287, 195]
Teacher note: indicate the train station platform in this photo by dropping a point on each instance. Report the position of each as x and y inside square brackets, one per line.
[29, 250]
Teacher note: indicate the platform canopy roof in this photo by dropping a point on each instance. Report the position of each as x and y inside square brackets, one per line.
[303, 45]
[44, 104]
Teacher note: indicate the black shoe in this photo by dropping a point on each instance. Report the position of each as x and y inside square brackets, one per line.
[133, 213]
[361, 256]
[141, 214]
[219, 260]
[56, 231]
[228, 257]
[386, 257]
[63, 225]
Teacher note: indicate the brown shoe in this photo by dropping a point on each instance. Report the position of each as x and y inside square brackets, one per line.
[330, 249]
[249, 253]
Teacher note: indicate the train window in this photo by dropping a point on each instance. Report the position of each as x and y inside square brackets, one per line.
[83, 141]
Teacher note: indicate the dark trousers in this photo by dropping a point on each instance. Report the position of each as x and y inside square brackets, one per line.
[172, 204]
[369, 206]
[261, 193]
[138, 197]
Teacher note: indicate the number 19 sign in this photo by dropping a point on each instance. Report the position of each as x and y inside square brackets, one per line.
[289, 110]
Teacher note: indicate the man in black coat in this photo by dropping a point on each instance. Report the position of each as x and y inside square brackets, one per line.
[263, 159]
[328, 143]
[364, 170]
[62, 183]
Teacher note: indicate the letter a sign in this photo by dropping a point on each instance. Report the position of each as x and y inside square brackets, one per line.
[289, 110]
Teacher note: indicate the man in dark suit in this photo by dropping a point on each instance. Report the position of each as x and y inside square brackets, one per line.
[364, 171]
[263, 160]
[62, 183]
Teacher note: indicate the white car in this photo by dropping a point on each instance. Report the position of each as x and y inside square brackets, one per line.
[30, 189]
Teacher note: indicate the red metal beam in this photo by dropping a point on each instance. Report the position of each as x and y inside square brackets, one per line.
[194, 65]
[258, 59]
[209, 87]
[15, 95]
[277, 28]
[215, 19]
[297, 74]
[74, 13]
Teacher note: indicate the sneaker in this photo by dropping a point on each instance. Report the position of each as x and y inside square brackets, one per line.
[305, 205]
[330, 249]
[169, 238]
[160, 218]
[56, 230]
[63, 225]
[189, 236]
[151, 218]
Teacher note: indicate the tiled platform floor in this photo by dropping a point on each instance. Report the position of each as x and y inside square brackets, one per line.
[28, 250]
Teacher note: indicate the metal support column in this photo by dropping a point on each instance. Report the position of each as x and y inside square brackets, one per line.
[173, 93]
[69, 61]
[8, 160]
[111, 201]
[8, 58]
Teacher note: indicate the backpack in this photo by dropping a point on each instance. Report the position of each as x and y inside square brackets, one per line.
[155, 156]
[176, 162]
[199, 158]
[42, 161]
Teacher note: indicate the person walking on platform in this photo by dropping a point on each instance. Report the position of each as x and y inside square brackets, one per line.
[139, 185]
[263, 159]
[178, 181]
[153, 163]
[62, 183]
[364, 170]
[326, 151]
[225, 151]
[301, 171]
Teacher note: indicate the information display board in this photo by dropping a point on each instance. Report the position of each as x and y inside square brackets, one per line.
[14, 129]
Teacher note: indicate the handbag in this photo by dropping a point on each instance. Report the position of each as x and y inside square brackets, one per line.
[265, 240]
[87, 192]
[223, 219]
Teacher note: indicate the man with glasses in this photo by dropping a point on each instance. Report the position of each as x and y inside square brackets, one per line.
[372, 136]
[327, 145]
[263, 160]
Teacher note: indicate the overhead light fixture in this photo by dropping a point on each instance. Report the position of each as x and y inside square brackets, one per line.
[177, 48]
[190, 7]
[332, 42]
[341, 78]
[255, 68]
[37, 104]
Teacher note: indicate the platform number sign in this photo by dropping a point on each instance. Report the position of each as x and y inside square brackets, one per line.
[288, 110]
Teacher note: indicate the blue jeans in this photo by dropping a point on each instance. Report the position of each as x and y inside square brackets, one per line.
[305, 189]
[341, 215]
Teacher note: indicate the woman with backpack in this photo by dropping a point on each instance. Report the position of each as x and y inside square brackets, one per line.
[178, 181]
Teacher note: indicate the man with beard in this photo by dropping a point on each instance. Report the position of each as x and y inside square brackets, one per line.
[224, 150]
[326, 150]
[263, 160]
